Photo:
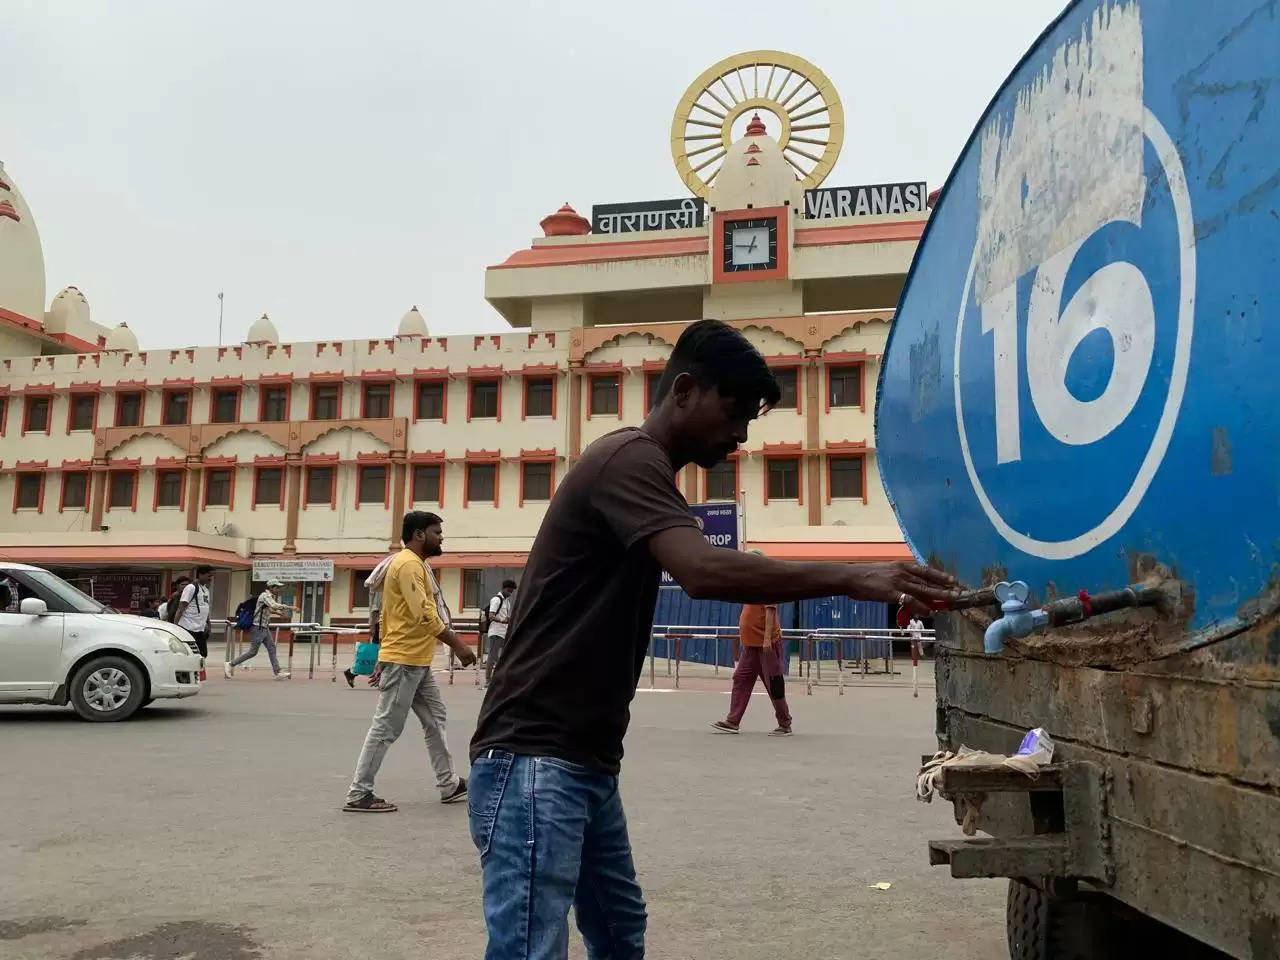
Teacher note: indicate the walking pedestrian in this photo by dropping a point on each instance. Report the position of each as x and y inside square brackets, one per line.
[760, 659]
[546, 814]
[373, 583]
[414, 619]
[192, 613]
[267, 607]
[169, 603]
[499, 611]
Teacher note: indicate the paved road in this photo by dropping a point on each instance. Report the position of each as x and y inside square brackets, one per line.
[211, 830]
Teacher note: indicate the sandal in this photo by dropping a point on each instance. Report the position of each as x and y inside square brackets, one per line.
[369, 804]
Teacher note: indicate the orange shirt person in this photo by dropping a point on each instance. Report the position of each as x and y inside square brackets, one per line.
[761, 658]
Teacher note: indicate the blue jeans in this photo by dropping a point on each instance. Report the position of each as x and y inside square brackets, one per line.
[551, 835]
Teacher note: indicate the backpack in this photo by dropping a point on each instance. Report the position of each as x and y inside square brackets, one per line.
[484, 617]
[244, 613]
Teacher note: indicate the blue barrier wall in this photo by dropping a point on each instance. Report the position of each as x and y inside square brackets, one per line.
[677, 607]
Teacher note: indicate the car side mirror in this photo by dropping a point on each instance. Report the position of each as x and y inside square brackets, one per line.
[33, 607]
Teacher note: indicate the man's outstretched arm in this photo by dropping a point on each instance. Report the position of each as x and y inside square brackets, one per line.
[713, 573]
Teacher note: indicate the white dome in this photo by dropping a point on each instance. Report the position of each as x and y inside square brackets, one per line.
[412, 324]
[263, 331]
[755, 173]
[68, 313]
[21, 259]
[123, 339]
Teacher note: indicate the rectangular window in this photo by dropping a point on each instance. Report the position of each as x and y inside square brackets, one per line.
[268, 483]
[319, 485]
[128, 410]
[275, 404]
[169, 488]
[359, 592]
[217, 488]
[484, 399]
[226, 404]
[177, 407]
[83, 407]
[377, 401]
[651, 381]
[539, 397]
[846, 477]
[481, 482]
[784, 479]
[473, 589]
[4, 414]
[722, 481]
[845, 386]
[36, 417]
[426, 483]
[75, 491]
[121, 488]
[787, 380]
[324, 402]
[30, 488]
[604, 395]
[536, 481]
[372, 485]
[430, 400]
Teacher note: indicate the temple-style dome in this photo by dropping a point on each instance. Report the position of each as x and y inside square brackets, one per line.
[123, 339]
[412, 324]
[755, 174]
[21, 258]
[263, 331]
[68, 313]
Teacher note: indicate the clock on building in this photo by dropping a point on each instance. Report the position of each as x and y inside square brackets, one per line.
[750, 245]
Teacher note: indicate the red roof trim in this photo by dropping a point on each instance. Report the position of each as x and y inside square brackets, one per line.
[380, 376]
[38, 389]
[221, 461]
[321, 459]
[785, 360]
[331, 376]
[84, 346]
[275, 379]
[908, 230]
[179, 383]
[427, 456]
[614, 366]
[170, 462]
[31, 465]
[269, 461]
[130, 385]
[477, 372]
[76, 464]
[848, 356]
[86, 386]
[577, 253]
[536, 369]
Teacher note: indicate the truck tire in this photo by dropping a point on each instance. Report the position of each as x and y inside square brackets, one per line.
[107, 689]
[1043, 927]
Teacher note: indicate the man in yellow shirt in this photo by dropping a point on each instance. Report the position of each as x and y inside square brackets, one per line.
[414, 619]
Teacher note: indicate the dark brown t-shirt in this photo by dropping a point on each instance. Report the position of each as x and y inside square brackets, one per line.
[580, 630]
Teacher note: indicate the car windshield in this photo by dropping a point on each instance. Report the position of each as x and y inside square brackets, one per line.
[70, 598]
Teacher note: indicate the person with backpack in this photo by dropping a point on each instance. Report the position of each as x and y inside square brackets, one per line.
[267, 605]
[169, 604]
[495, 618]
[192, 614]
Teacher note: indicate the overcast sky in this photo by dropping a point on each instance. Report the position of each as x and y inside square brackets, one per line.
[332, 164]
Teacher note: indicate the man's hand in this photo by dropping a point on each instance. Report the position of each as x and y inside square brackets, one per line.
[466, 656]
[920, 588]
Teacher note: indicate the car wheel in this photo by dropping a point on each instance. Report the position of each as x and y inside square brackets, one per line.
[106, 689]
[1044, 927]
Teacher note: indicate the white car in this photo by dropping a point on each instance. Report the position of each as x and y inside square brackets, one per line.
[58, 646]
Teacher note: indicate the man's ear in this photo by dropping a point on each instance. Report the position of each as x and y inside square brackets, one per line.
[682, 388]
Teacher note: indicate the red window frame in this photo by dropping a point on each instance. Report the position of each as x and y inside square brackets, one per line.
[799, 460]
[72, 397]
[48, 417]
[525, 381]
[320, 385]
[591, 391]
[213, 402]
[88, 490]
[466, 479]
[266, 388]
[652, 378]
[862, 383]
[133, 472]
[737, 482]
[4, 412]
[386, 483]
[418, 384]
[496, 380]
[164, 406]
[797, 365]
[550, 462]
[842, 455]
[364, 399]
[439, 465]
[40, 476]
[332, 467]
[156, 505]
[228, 469]
[257, 480]
[142, 407]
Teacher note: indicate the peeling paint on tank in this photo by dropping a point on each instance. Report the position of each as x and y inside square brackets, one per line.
[1220, 460]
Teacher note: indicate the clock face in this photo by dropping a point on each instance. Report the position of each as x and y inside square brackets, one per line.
[751, 245]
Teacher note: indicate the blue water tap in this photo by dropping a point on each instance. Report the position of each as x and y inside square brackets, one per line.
[1017, 621]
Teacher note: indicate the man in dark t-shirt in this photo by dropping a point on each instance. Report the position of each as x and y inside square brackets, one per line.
[545, 811]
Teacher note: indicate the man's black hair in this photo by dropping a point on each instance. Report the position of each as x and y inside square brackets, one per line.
[508, 584]
[416, 520]
[717, 355]
[202, 570]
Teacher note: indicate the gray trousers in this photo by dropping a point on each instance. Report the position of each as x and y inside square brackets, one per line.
[403, 689]
[260, 637]
[495, 643]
